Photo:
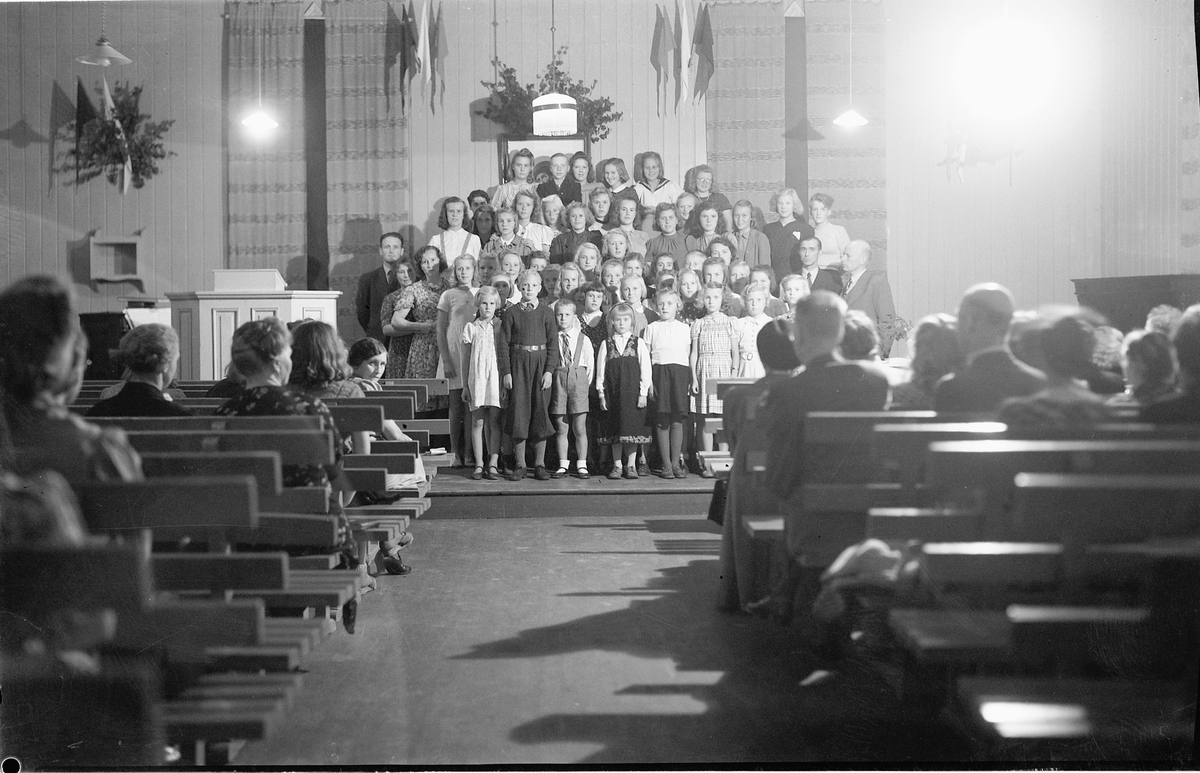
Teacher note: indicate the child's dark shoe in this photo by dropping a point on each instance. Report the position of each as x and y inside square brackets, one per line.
[518, 473]
[541, 473]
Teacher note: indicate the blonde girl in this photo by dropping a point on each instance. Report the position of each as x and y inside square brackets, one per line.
[529, 225]
[481, 382]
[714, 355]
[587, 257]
[506, 238]
[751, 244]
[552, 209]
[785, 234]
[623, 382]
[574, 231]
[570, 279]
[520, 178]
[456, 307]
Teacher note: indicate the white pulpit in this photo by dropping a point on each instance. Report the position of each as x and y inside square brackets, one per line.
[207, 319]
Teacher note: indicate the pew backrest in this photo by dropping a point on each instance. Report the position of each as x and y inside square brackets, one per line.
[294, 446]
[35, 580]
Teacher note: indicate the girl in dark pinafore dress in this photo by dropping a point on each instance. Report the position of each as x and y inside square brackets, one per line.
[623, 378]
[527, 350]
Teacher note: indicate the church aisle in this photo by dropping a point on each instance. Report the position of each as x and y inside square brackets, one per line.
[589, 639]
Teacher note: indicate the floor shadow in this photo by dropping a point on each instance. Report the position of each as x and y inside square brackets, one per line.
[657, 526]
[755, 712]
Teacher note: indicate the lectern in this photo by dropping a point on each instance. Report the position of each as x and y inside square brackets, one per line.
[207, 319]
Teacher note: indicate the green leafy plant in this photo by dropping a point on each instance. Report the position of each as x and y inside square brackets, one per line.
[100, 151]
[511, 104]
[893, 328]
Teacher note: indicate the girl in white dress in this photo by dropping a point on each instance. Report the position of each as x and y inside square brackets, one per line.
[455, 307]
[453, 239]
[481, 383]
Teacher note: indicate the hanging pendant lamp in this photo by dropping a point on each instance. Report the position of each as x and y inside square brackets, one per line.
[259, 123]
[851, 118]
[104, 55]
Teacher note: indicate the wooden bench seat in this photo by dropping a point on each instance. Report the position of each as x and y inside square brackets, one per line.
[294, 446]
[1081, 719]
[925, 524]
[264, 466]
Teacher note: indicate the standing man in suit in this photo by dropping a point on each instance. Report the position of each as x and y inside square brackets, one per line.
[992, 374]
[376, 285]
[827, 383]
[868, 291]
[804, 258]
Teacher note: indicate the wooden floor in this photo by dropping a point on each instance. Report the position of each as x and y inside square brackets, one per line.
[590, 637]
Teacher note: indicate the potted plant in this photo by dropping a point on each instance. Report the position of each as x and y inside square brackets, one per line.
[511, 104]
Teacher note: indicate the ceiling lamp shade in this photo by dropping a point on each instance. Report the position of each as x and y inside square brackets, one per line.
[104, 55]
[850, 119]
[555, 115]
[260, 123]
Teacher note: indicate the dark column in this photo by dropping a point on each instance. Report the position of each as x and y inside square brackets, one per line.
[795, 99]
[316, 177]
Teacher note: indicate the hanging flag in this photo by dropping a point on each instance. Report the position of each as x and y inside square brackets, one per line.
[408, 50]
[423, 63]
[702, 52]
[393, 53]
[660, 56]
[683, 50]
[85, 112]
[110, 114]
[438, 48]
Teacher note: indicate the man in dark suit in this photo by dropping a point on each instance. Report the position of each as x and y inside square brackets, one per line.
[992, 374]
[1182, 408]
[827, 383]
[374, 286]
[804, 259]
[868, 291]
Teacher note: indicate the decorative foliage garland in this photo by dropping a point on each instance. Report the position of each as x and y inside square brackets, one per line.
[511, 104]
[100, 150]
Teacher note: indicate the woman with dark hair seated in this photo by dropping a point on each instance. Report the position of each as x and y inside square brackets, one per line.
[151, 353]
[1149, 364]
[319, 367]
[262, 352]
[43, 353]
[1067, 345]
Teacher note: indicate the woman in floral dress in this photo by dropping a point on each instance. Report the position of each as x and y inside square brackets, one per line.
[398, 341]
[421, 298]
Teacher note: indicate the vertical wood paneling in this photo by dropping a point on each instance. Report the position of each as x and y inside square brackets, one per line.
[179, 210]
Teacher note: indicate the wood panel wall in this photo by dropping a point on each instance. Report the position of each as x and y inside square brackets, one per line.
[175, 46]
[1031, 226]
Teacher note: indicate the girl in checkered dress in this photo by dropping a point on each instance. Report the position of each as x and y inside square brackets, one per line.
[714, 355]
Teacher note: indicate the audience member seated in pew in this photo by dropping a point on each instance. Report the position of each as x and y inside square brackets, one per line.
[748, 443]
[151, 353]
[171, 390]
[827, 383]
[861, 341]
[262, 352]
[230, 386]
[367, 359]
[43, 353]
[1149, 366]
[935, 353]
[1066, 401]
[1184, 407]
[991, 374]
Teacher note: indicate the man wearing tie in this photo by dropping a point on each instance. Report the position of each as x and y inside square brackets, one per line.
[868, 290]
[805, 256]
[376, 285]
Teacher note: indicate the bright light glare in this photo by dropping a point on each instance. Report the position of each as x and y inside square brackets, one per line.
[259, 123]
[1021, 712]
[850, 119]
[1006, 71]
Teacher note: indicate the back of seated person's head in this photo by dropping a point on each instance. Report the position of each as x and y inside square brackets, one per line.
[861, 339]
[1025, 338]
[819, 324]
[260, 344]
[1148, 359]
[1163, 319]
[1068, 343]
[775, 347]
[1186, 339]
[318, 356]
[43, 350]
[1107, 354]
[984, 314]
[936, 350]
[149, 349]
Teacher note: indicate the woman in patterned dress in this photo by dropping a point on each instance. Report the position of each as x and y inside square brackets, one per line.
[422, 299]
[399, 341]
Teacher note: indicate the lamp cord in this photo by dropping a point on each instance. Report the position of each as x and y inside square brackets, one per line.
[553, 45]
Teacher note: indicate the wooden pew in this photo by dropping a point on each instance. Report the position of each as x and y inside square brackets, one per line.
[263, 466]
[293, 446]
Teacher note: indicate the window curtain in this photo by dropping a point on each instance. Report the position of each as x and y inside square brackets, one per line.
[744, 104]
[266, 176]
[367, 145]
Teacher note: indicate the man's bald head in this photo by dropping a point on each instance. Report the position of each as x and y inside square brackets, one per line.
[984, 315]
[819, 324]
[856, 255]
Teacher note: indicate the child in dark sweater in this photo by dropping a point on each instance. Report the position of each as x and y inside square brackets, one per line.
[527, 351]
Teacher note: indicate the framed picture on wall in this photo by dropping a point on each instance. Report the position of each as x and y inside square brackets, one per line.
[541, 147]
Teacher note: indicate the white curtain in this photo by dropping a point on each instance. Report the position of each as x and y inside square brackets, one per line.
[266, 176]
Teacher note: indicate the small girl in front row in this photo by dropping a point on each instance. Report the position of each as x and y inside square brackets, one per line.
[481, 382]
[623, 379]
[572, 380]
[714, 355]
[670, 342]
